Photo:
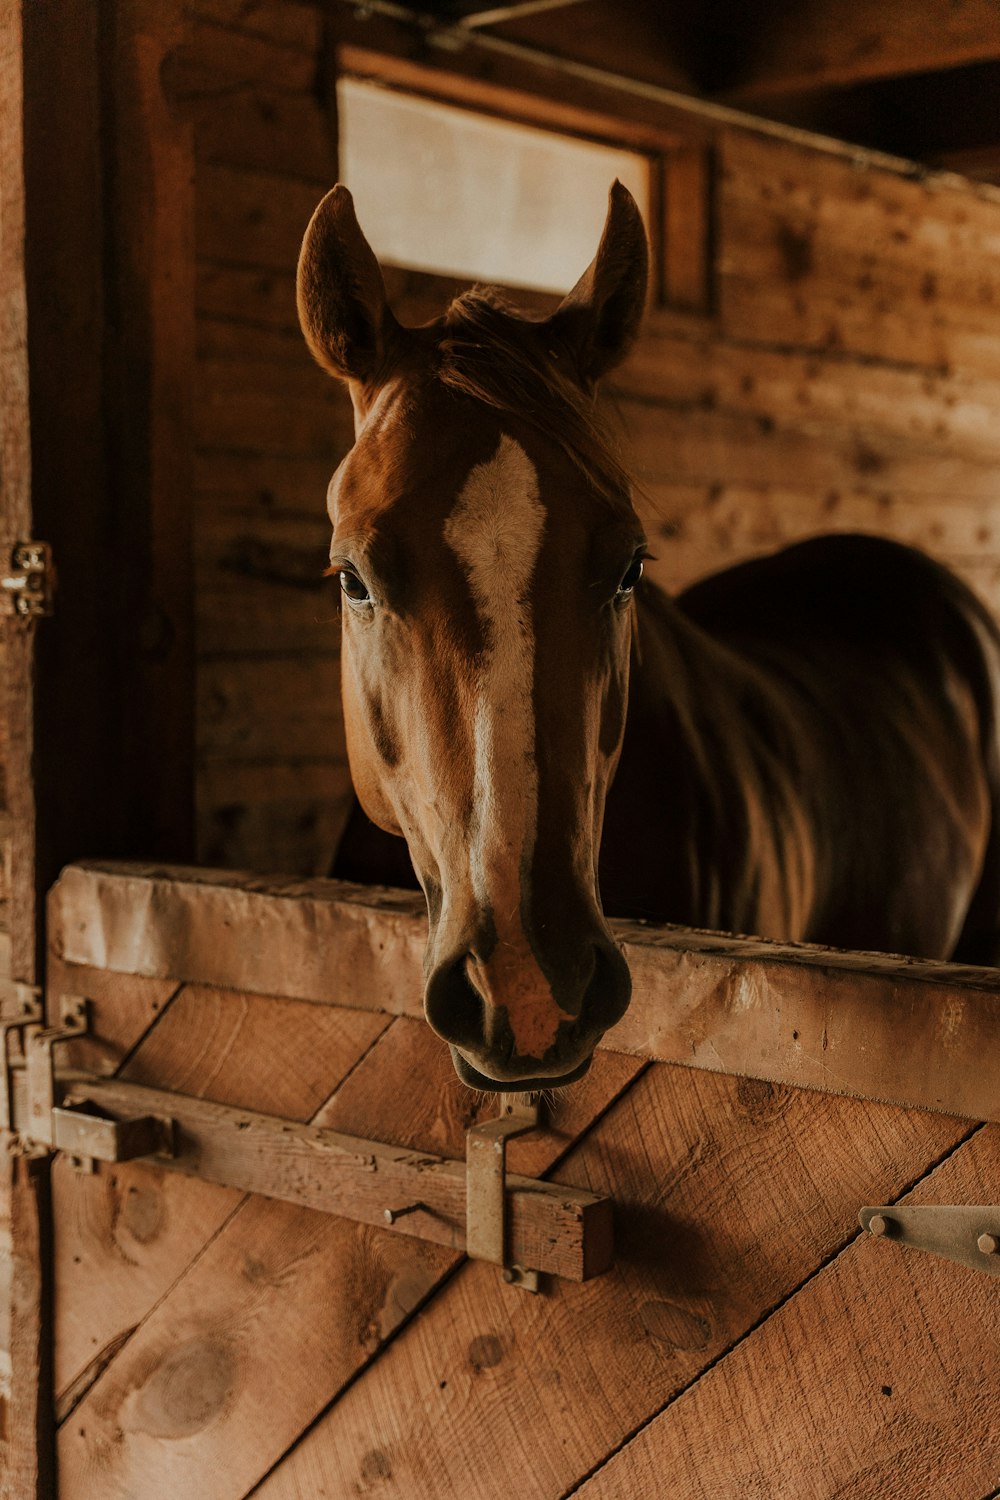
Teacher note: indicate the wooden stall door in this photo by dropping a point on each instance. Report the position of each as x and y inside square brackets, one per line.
[748, 1340]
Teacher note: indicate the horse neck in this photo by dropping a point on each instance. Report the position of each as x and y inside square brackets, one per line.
[731, 744]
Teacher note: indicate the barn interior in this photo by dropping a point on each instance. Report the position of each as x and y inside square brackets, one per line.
[821, 188]
[820, 351]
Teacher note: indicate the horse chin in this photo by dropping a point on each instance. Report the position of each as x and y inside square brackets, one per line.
[530, 1085]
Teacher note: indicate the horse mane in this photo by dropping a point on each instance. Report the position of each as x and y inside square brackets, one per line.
[494, 353]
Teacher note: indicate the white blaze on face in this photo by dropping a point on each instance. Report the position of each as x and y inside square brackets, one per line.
[496, 531]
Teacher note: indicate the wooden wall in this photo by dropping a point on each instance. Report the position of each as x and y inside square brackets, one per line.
[846, 377]
[269, 429]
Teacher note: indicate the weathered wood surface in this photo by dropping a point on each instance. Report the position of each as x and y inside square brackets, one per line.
[190, 1396]
[559, 1230]
[129, 1231]
[728, 1195]
[25, 1369]
[913, 1031]
[877, 1379]
[839, 42]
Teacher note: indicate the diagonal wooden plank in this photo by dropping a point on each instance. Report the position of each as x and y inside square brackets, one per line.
[192, 1402]
[126, 1233]
[878, 1379]
[729, 1194]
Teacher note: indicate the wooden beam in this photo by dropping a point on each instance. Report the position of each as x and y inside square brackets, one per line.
[908, 1031]
[836, 43]
[560, 1230]
[26, 1439]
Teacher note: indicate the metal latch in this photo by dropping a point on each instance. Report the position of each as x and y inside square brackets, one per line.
[966, 1233]
[486, 1181]
[29, 1013]
[84, 1133]
[28, 587]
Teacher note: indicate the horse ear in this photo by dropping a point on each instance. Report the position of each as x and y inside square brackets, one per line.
[600, 317]
[341, 294]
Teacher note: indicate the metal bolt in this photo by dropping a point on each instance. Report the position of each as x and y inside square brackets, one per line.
[878, 1224]
[989, 1244]
[509, 1275]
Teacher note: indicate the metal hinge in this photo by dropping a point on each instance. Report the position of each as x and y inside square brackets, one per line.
[968, 1233]
[27, 589]
[84, 1133]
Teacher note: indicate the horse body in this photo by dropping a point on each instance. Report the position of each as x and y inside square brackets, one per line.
[810, 754]
[803, 747]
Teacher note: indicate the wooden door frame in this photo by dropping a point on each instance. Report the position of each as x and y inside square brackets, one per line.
[96, 354]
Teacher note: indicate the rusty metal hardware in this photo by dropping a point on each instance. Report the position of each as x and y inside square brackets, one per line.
[27, 588]
[87, 1135]
[29, 1001]
[486, 1181]
[967, 1233]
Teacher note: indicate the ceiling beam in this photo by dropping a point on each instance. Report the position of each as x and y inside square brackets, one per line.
[823, 44]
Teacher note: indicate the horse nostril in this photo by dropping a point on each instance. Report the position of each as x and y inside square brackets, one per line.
[453, 1006]
[610, 988]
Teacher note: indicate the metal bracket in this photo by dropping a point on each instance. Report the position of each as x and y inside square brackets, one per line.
[27, 589]
[968, 1233]
[486, 1180]
[29, 1013]
[84, 1134]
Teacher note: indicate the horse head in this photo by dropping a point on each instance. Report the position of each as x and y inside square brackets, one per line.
[487, 550]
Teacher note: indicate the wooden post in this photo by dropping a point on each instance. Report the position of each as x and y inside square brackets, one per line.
[26, 1431]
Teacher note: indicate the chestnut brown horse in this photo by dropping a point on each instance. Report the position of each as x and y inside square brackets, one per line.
[803, 747]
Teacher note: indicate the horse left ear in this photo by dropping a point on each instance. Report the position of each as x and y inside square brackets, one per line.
[341, 295]
[600, 317]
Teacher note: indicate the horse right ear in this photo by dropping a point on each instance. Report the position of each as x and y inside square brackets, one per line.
[600, 318]
[341, 294]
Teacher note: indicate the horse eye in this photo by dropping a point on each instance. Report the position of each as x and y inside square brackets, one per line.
[632, 575]
[353, 588]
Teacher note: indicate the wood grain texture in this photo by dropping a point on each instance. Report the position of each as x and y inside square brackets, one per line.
[833, 45]
[126, 1233]
[720, 1214]
[562, 1231]
[280, 1288]
[914, 1031]
[876, 1380]
[25, 1325]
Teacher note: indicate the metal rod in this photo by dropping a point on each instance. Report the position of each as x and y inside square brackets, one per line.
[502, 13]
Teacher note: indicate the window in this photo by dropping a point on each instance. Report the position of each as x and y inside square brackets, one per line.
[445, 190]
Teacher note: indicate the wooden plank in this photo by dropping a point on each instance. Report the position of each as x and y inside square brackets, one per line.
[252, 219]
[696, 529]
[560, 1230]
[843, 42]
[26, 1471]
[303, 720]
[895, 1359]
[281, 1289]
[258, 127]
[128, 1232]
[261, 583]
[213, 57]
[305, 1050]
[290, 23]
[838, 258]
[720, 1215]
[273, 816]
[17, 652]
[688, 444]
[256, 407]
[814, 1017]
[295, 484]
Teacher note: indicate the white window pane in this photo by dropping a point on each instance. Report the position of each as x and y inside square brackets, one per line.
[445, 190]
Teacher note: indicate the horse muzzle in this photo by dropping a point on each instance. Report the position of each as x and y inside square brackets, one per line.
[510, 1030]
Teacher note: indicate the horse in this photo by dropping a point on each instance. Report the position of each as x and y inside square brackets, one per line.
[802, 747]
